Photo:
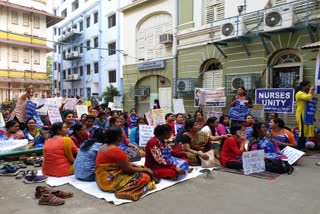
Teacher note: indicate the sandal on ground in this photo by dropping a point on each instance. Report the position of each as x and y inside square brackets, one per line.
[9, 170]
[51, 200]
[20, 174]
[22, 165]
[40, 190]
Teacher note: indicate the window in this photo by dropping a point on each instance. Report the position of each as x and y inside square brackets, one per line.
[59, 67]
[81, 26]
[75, 48]
[88, 69]
[36, 22]
[64, 13]
[55, 31]
[88, 21]
[95, 17]
[74, 26]
[36, 57]
[81, 92]
[69, 71]
[26, 19]
[96, 42]
[64, 74]
[112, 48]
[88, 45]
[14, 17]
[59, 31]
[26, 56]
[15, 55]
[55, 66]
[75, 5]
[96, 67]
[81, 71]
[81, 48]
[75, 70]
[112, 21]
[112, 76]
[213, 10]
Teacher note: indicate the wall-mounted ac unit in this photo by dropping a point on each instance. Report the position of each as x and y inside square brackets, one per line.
[69, 77]
[75, 76]
[243, 81]
[278, 18]
[233, 27]
[74, 30]
[166, 38]
[74, 54]
[141, 92]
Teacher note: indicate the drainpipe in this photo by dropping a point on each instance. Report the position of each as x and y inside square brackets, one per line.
[174, 46]
[84, 79]
[99, 50]
[118, 47]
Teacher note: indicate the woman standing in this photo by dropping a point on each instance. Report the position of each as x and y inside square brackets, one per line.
[305, 94]
[240, 105]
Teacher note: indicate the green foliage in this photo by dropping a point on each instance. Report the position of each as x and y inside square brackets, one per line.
[109, 93]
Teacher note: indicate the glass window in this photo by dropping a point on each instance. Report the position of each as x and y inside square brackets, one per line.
[96, 42]
[36, 22]
[96, 67]
[15, 55]
[88, 21]
[88, 69]
[26, 56]
[81, 71]
[26, 19]
[64, 13]
[88, 45]
[112, 48]
[112, 76]
[75, 5]
[81, 26]
[95, 17]
[14, 17]
[112, 21]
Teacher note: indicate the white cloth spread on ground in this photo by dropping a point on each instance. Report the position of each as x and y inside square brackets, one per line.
[93, 189]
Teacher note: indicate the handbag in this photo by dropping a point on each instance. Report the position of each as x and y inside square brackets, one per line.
[133, 155]
[211, 162]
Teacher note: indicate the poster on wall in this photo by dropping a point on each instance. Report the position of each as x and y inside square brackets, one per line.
[178, 106]
[209, 97]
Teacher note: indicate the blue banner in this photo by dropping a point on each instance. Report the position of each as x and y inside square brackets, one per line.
[310, 111]
[276, 100]
[31, 113]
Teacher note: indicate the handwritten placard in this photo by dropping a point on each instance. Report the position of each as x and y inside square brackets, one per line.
[44, 109]
[149, 117]
[13, 145]
[145, 134]
[310, 111]
[81, 109]
[257, 112]
[54, 114]
[2, 123]
[71, 103]
[292, 154]
[158, 117]
[253, 162]
[178, 106]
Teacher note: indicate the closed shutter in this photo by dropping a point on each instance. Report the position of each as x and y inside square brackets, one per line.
[212, 79]
[141, 45]
[214, 10]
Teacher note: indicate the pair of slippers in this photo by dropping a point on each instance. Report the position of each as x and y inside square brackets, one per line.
[51, 197]
[9, 170]
[22, 173]
[33, 161]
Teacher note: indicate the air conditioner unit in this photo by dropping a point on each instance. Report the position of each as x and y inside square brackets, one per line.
[243, 81]
[69, 77]
[60, 38]
[166, 38]
[184, 86]
[141, 92]
[278, 18]
[75, 76]
[233, 27]
[67, 34]
[74, 54]
[74, 30]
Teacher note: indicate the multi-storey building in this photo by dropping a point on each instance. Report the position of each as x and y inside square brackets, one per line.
[87, 57]
[23, 48]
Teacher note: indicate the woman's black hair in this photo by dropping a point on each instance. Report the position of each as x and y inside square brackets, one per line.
[244, 90]
[177, 115]
[279, 122]
[157, 102]
[221, 119]
[113, 120]
[98, 137]
[55, 128]
[168, 115]
[133, 109]
[234, 129]
[189, 124]
[65, 113]
[143, 119]
[256, 128]
[27, 121]
[76, 127]
[113, 112]
[249, 115]
[11, 123]
[112, 134]
[300, 87]
[161, 130]
[209, 122]
[91, 117]
[195, 114]
[101, 114]
[84, 115]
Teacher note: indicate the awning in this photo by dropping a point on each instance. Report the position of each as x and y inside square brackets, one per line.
[311, 46]
[50, 18]
[31, 81]
[26, 44]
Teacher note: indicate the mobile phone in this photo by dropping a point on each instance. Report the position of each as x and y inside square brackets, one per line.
[239, 133]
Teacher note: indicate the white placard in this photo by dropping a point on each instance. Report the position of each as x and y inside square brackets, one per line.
[145, 134]
[2, 123]
[110, 105]
[253, 162]
[158, 117]
[81, 109]
[149, 118]
[44, 109]
[13, 145]
[292, 154]
[178, 106]
[71, 103]
[54, 114]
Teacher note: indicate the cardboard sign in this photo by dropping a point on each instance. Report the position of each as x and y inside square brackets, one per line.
[257, 112]
[178, 106]
[54, 114]
[13, 145]
[310, 111]
[145, 134]
[71, 103]
[292, 154]
[88, 103]
[158, 117]
[81, 109]
[149, 118]
[117, 103]
[253, 162]
[44, 109]
[2, 123]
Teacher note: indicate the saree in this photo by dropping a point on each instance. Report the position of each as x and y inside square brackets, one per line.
[111, 178]
[67, 147]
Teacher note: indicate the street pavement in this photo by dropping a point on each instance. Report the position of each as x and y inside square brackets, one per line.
[224, 193]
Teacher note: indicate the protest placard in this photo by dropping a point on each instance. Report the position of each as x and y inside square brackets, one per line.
[31, 113]
[145, 134]
[178, 106]
[44, 109]
[71, 104]
[214, 114]
[279, 100]
[158, 117]
[88, 103]
[253, 162]
[210, 97]
[54, 114]
[2, 123]
[81, 109]
[149, 117]
[310, 111]
[110, 105]
[292, 154]
[13, 145]
[257, 112]
[117, 103]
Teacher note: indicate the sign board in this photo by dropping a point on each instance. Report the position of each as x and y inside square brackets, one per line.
[151, 65]
[257, 112]
[145, 134]
[88, 103]
[81, 109]
[117, 102]
[149, 117]
[253, 162]
[2, 123]
[158, 117]
[214, 114]
[54, 114]
[71, 103]
[44, 109]
[310, 111]
[209, 97]
[276, 100]
[178, 106]
[110, 105]
[13, 145]
[292, 154]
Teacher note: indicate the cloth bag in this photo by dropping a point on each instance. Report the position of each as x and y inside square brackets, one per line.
[211, 162]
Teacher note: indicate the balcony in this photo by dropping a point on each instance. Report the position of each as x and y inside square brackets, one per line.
[73, 55]
[69, 36]
[72, 77]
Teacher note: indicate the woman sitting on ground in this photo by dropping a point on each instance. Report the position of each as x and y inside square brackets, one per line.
[248, 124]
[132, 119]
[233, 148]
[79, 134]
[84, 165]
[59, 152]
[83, 119]
[224, 125]
[159, 159]
[198, 116]
[114, 172]
[135, 134]
[12, 132]
[90, 127]
[69, 121]
[124, 124]
[179, 123]
[33, 134]
[100, 121]
[116, 122]
[281, 136]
